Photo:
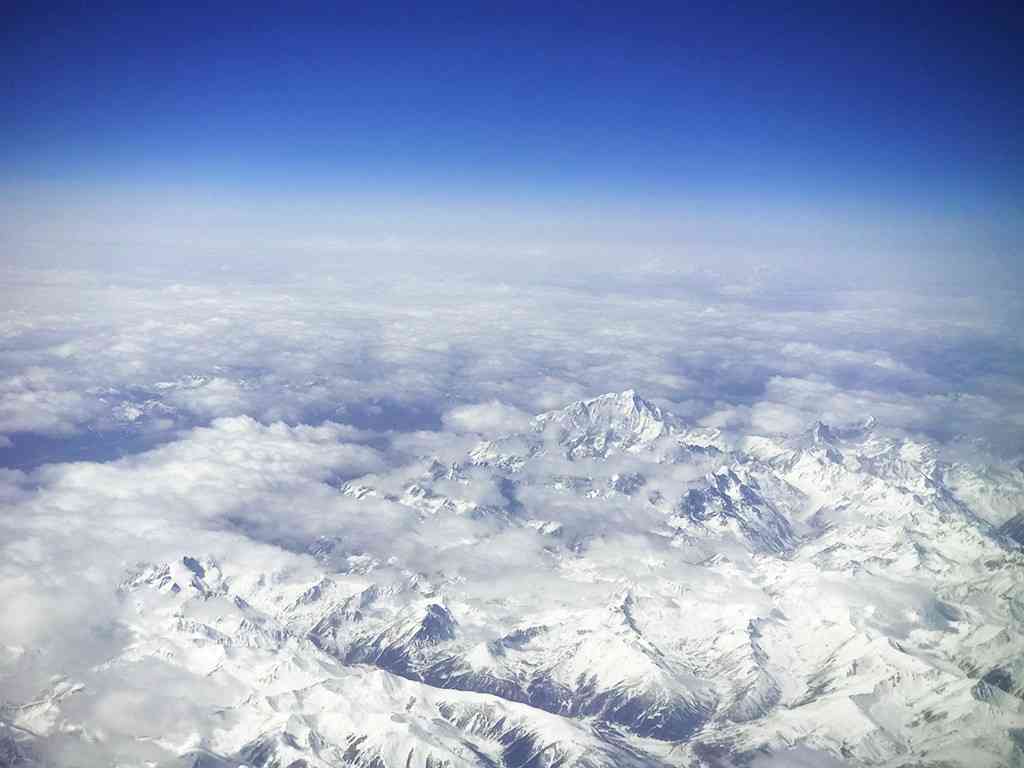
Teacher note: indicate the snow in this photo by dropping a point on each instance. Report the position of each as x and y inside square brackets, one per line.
[836, 597]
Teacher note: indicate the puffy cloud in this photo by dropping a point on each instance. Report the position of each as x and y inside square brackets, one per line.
[776, 418]
[40, 400]
[491, 418]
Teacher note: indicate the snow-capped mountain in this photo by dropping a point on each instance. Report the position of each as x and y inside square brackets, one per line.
[613, 422]
[610, 587]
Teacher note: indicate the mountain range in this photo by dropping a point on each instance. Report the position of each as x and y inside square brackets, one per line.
[841, 596]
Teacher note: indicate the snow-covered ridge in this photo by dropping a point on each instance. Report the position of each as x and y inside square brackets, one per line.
[683, 600]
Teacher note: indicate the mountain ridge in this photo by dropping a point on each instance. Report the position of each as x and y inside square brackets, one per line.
[690, 602]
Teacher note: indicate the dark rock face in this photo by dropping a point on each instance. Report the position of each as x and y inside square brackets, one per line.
[628, 483]
[1014, 528]
[695, 504]
[517, 639]
[399, 646]
[644, 714]
[729, 497]
[1003, 679]
[999, 678]
[437, 626]
[14, 754]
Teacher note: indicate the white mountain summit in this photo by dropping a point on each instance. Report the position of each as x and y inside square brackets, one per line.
[610, 587]
[613, 422]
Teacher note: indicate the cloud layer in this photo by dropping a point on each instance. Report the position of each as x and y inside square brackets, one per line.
[310, 425]
[407, 352]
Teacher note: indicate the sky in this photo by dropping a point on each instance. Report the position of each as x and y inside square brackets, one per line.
[879, 132]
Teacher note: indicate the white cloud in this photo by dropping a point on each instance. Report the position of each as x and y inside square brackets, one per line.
[41, 400]
[491, 418]
[407, 353]
[776, 418]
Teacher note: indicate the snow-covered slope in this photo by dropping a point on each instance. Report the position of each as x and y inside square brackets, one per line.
[628, 590]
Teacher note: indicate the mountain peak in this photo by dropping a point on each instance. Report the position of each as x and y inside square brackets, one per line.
[629, 396]
[628, 399]
[821, 432]
[613, 421]
[625, 403]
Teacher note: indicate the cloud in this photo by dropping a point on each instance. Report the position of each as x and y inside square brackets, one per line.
[493, 418]
[776, 418]
[41, 400]
[424, 353]
[259, 401]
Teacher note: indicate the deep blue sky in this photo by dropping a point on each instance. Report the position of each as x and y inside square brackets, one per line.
[909, 106]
